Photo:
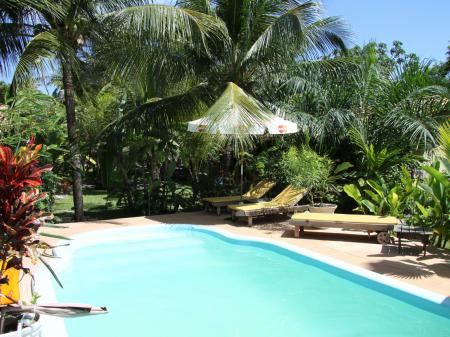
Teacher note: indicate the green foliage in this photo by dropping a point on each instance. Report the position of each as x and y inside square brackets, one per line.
[446, 65]
[266, 166]
[178, 81]
[433, 203]
[397, 101]
[32, 113]
[305, 168]
[50, 183]
[375, 163]
[420, 203]
[443, 150]
[166, 195]
[376, 196]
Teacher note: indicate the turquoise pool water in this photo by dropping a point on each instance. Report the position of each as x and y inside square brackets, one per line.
[179, 281]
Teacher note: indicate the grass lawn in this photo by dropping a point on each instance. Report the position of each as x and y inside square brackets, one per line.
[96, 206]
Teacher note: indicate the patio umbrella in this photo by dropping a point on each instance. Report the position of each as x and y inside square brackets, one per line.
[270, 124]
[274, 125]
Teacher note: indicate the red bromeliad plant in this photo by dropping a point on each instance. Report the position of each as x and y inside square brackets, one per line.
[20, 219]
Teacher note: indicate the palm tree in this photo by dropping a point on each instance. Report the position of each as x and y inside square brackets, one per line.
[397, 105]
[265, 38]
[64, 31]
[414, 103]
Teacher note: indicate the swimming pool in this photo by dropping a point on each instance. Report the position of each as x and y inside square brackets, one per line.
[173, 281]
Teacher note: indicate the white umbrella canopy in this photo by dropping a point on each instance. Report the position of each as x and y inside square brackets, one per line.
[280, 126]
[237, 114]
[274, 126]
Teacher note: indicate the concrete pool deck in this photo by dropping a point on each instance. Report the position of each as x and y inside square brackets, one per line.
[431, 272]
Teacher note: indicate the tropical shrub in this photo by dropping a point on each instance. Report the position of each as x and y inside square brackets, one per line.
[20, 218]
[419, 203]
[375, 162]
[434, 202]
[33, 113]
[376, 196]
[265, 165]
[305, 168]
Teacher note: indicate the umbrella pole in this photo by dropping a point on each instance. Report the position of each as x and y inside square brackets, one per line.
[242, 177]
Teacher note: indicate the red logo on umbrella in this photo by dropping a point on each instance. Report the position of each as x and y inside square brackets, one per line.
[282, 128]
[201, 127]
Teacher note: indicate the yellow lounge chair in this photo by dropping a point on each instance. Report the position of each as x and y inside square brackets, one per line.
[371, 223]
[255, 193]
[283, 203]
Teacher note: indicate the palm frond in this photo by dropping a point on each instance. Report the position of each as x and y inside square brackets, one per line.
[13, 41]
[444, 140]
[202, 6]
[18, 20]
[300, 31]
[152, 24]
[35, 57]
[419, 115]
[55, 7]
[140, 65]
[359, 138]
[160, 113]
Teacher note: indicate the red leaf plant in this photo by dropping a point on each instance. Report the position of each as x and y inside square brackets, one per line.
[20, 219]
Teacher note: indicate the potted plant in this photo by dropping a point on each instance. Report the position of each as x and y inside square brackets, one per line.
[20, 220]
[304, 168]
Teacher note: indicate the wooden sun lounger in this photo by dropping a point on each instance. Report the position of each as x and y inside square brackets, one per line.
[283, 203]
[371, 223]
[253, 195]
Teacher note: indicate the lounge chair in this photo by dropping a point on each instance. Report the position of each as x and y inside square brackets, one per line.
[371, 223]
[255, 193]
[283, 203]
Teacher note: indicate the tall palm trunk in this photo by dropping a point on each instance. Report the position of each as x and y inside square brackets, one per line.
[69, 102]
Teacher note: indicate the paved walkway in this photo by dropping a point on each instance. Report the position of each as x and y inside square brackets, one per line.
[431, 272]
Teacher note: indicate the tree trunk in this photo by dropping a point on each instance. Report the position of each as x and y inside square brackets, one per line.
[69, 102]
[129, 190]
